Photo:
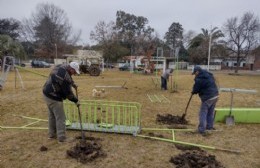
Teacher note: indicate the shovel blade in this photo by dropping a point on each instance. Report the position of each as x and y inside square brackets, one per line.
[183, 116]
[230, 120]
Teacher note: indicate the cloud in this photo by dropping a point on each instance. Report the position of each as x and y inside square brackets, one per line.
[191, 14]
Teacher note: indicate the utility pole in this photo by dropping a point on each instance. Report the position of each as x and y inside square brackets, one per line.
[210, 36]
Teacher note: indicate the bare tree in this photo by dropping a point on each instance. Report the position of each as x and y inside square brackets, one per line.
[103, 32]
[187, 37]
[50, 29]
[242, 35]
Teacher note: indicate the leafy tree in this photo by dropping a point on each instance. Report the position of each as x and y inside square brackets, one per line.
[133, 31]
[10, 27]
[242, 35]
[50, 29]
[29, 48]
[174, 35]
[201, 44]
[106, 37]
[8, 46]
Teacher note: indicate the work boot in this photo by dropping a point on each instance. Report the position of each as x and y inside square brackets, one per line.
[65, 140]
[204, 134]
[213, 129]
[52, 137]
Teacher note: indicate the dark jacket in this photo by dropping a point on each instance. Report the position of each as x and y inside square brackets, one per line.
[59, 85]
[205, 85]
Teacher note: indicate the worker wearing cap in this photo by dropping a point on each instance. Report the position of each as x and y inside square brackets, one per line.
[57, 88]
[206, 87]
[165, 78]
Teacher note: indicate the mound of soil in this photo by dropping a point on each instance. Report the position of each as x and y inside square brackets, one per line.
[196, 159]
[86, 150]
[43, 148]
[171, 119]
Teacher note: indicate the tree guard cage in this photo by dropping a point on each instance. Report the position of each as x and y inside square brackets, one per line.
[104, 116]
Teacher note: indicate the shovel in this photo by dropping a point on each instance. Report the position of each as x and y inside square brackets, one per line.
[83, 138]
[230, 118]
[183, 115]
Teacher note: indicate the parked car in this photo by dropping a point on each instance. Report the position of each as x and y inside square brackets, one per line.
[40, 64]
[125, 67]
[19, 63]
[108, 65]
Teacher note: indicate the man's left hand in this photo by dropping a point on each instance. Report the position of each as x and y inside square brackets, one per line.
[78, 104]
[74, 86]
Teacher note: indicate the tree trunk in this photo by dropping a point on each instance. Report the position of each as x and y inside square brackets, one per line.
[238, 62]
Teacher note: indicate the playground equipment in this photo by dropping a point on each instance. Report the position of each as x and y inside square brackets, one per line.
[244, 115]
[113, 86]
[105, 116]
[7, 65]
[173, 139]
[158, 98]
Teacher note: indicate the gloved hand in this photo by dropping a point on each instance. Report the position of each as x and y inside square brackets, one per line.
[77, 104]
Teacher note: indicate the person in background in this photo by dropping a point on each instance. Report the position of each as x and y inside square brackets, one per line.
[205, 86]
[165, 78]
[57, 88]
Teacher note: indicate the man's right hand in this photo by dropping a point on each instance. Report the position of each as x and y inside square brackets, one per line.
[78, 104]
[74, 86]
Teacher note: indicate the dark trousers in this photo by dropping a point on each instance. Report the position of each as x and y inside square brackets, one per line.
[206, 115]
[163, 83]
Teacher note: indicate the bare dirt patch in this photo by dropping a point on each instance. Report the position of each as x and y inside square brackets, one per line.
[171, 119]
[86, 150]
[195, 159]
[21, 147]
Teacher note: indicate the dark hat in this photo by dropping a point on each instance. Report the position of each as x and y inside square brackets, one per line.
[195, 69]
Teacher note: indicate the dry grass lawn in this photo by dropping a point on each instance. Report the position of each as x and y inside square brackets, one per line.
[20, 148]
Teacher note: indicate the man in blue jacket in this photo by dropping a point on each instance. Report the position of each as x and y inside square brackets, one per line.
[207, 89]
[57, 88]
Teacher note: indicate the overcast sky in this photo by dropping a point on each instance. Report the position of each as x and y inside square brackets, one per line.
[191, 14]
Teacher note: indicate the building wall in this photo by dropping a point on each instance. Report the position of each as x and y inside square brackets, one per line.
[256, 65]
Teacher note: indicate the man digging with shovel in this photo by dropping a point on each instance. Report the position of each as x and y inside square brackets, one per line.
[206, 87]
[57, 88]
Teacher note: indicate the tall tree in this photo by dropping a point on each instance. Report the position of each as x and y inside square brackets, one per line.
[49, 27]
[132, 30]
[201, 43]
[174, 36]
[106, 37]
[242, 35]
[8, 46]
[10, 27]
